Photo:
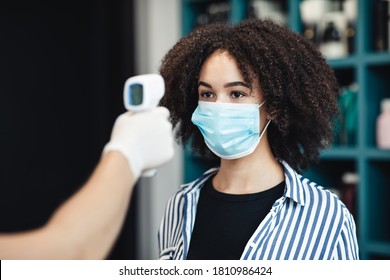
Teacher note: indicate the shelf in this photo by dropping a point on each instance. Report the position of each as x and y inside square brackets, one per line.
[377, 59]
[371, 59]
[340, 153]
[344, 62]
[377, 154]
[354, 153]
[379, 248]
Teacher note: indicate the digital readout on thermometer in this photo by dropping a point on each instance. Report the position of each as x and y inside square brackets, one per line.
[136, 94]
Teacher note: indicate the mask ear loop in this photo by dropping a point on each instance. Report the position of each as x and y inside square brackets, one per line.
[265, 128]
[262, 103]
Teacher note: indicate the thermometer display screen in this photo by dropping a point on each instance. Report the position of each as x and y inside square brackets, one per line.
[136, 94]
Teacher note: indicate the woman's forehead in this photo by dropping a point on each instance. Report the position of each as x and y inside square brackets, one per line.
[221, 66]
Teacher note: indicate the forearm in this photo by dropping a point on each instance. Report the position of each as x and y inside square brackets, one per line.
[86, 226]
[93, 218]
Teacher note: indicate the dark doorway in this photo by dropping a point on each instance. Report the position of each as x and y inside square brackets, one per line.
[62, 68]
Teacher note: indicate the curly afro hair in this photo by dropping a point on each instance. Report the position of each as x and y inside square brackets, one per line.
[299, 86]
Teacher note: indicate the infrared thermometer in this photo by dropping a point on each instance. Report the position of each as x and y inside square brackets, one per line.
[142, 93]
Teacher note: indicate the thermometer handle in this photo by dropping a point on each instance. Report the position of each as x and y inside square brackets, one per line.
[142, 93]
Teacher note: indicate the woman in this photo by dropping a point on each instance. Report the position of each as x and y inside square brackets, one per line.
[263, 100]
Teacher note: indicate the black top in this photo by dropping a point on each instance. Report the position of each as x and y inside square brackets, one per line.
[225, 222]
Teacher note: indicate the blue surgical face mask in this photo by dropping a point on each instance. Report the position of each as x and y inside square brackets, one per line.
[230, 130]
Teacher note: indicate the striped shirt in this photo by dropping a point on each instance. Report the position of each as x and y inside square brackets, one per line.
[307, 223]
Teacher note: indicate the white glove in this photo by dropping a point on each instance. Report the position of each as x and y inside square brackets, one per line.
[145, 139]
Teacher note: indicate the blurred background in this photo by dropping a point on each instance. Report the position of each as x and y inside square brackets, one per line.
[63, 65]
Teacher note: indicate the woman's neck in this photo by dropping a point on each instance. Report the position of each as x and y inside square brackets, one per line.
[256, 172]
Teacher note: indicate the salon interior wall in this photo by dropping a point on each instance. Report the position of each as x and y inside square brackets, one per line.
[157, 29]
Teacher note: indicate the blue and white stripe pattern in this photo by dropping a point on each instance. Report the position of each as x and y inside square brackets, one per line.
[306, 223]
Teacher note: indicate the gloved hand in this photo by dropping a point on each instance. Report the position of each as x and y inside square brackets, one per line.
[145, 139]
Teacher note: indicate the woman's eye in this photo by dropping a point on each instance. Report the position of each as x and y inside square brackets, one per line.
[206, 94]
[236, 94]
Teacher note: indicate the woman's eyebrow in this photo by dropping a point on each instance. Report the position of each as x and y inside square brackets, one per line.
[238, 83]
[200, 83]
[231, 84]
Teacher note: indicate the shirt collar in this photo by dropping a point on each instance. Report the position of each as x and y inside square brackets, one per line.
[294, 187]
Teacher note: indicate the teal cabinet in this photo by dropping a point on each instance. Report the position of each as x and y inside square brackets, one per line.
[365, 67]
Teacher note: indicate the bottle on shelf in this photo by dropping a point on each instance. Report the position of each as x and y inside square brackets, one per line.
[382, 25]
[312, 12]
[346, 124]
[215, 12]
[350, 181]
[333, 43]
[265, 9]
[383, 125]
[350, 11]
